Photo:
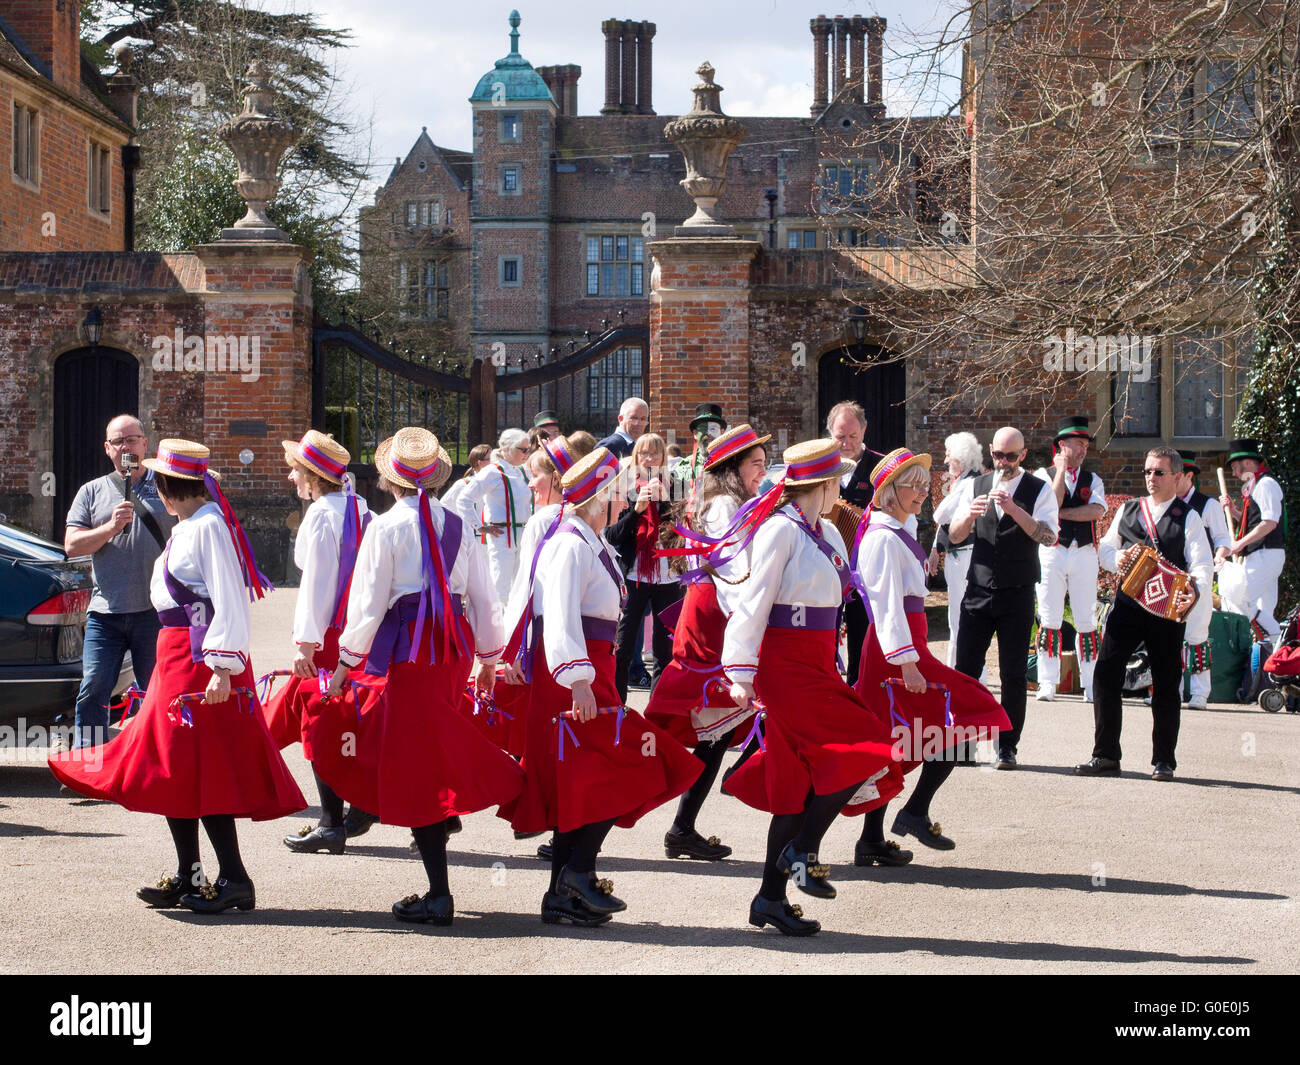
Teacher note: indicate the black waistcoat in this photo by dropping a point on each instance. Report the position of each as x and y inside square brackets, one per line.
[1005, 556]
[1197, 503]
[1078, 532]
[858, 492]
[1171, 529]
[1277, 538]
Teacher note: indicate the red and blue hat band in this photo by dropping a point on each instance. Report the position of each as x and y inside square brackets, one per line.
[559, 454]
[814, 468]
[735, 446]
[412, 473]
[319, 458]
[183, 464]
[592, 482]
[888, 471]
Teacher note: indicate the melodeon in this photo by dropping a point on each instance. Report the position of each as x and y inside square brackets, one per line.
[845, 518]
[1153, 583]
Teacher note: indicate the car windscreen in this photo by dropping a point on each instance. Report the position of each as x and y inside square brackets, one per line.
[18, 543]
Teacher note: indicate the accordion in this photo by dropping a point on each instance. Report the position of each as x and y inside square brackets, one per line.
[1153, 583]
[845, 518]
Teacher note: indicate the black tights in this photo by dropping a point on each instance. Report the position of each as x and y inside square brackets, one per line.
[805, 830]
[225, 842]
[432, 841]
[578, 849]
[933, 775]
[711, 753]
[331, 804]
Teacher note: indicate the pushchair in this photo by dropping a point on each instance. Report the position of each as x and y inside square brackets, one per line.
[1279, 683]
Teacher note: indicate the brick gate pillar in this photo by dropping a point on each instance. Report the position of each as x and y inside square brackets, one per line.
[699, 330]
[257, 383]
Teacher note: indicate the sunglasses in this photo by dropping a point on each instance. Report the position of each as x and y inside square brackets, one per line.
[1155, 473]
[1008, 456]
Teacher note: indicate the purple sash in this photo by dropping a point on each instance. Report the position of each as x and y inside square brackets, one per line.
[354, 527]
[524, 659]
[194, 612]
[842, 570]
[603, 555]
[393, 637]
[789, 616]
[912, 604]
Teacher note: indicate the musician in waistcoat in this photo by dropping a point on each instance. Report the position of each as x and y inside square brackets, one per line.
[1162, 521]
[1009, 515]
[1259, 531]
[1070, 566]
[846, 424]
[1196, 638]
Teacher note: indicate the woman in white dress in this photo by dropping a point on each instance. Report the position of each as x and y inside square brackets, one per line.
[496, 505]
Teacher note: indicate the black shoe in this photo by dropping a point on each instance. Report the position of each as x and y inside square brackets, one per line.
[786, 919]
[1005, 760]
[425, 909]
[545, 852]
[927, 831]
[886, 852]
[692, 845]
[642, 681]
[527, 835]
[214, 898]
[310, 840]
[808, 876]
[1098, 767]
[556, 909]
[358, 822]
[1163, 771]
[453, 826]
[165, 894]
[597, 895]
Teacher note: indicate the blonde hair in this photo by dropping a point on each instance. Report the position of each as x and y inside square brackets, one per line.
[917, 477]
[648, 442]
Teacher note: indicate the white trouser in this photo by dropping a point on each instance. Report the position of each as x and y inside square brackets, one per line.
[1258, 598]
[502, 563]
[956, 565]
[1071, 570]
[1196, 633]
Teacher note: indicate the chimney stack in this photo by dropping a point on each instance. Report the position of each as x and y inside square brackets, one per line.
[613, 30]
[838, 44]
[821, 28]
[644, 105]
[563, 83]
[875, 60]
[857, 29]
[628, 82]
[50, 31]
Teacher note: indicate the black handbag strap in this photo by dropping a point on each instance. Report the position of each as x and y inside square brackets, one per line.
[150, 522]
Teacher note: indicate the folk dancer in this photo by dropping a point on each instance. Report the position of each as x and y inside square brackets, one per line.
[1259, 526]
[496, 505]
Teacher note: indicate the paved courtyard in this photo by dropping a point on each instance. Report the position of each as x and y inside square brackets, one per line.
[1052, 873]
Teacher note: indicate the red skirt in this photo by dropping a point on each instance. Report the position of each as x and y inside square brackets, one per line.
[405, 750]
[508, 729]
[291, 711]
[224, 762]
[820, 736]
[600, 777]
[919, 722]
[693, 680]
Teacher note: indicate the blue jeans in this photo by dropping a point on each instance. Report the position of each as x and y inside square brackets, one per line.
[108, 638]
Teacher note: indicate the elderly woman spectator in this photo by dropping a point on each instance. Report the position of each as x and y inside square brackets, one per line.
[962, 455]
[496, 504]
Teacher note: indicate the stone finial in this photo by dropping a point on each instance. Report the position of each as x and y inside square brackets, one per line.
[514, 32]
[706, 138]
[258, 139]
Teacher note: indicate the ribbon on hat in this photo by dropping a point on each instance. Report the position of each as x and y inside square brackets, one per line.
[560, 455]
[350, 545]
[331, 466]
[435, 605]
[255, 580]
[525, 658]
[584, 489]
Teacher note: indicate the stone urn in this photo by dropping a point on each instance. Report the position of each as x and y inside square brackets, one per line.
[706, 138]
[258, 140]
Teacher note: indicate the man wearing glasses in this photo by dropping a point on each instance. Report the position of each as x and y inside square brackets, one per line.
[124, 537]
[1164, 521]
[1009, 515]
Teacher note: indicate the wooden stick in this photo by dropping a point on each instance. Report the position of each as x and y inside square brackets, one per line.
[1223, 484]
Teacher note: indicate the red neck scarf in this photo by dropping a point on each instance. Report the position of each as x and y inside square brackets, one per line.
[647, 539]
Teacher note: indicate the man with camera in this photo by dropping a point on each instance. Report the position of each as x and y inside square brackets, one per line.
[121, 523]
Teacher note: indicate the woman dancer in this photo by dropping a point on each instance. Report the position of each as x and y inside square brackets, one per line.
[822, 744]
[589, 762]
[421, 604]
[325, 550]
[929, 707]
[691, 699]
[199, 748]
[497, 504]
[962, 456]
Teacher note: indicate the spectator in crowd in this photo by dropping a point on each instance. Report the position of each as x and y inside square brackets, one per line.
[962, 455]
[547, 423]
[496, 505]
[121, 523]
[846, 424]
[633, 420]
[479, 456]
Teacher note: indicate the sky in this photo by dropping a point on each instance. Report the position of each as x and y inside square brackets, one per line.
[415, 64]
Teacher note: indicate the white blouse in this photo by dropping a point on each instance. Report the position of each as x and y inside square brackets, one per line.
[1097, 493]
[787, 568]
[316, 551]
[572, 582]
[532, 536]
[483, 499]
[889, 572]
[390, 565]
[713, 520]
[202, 557]
[453, 493]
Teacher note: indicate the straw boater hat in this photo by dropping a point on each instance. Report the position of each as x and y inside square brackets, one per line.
[732, 443]
[893, 465]
[561, 453]
[812, 462]
[590, 476]
[321, 454]
[413, 459]
[179, 458]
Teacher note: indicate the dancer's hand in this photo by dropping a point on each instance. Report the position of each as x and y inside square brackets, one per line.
[584, 702]
[304, 665]
[337, 681]
[742, 694]
[485, 677]
[513, 674]
[913, 681]
[218, 689]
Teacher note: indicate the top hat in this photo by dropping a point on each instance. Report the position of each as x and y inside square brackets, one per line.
[732, 443]
[321, 454]
[892, 466]
[413, 459]
[1247, 448]
[179, 458]
[1074, 425]
[589, 476]
[814, 461]
[546, 417]
[707, 412]
[1189, 460]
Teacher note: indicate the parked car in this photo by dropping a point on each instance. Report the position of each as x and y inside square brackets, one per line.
[44, 596]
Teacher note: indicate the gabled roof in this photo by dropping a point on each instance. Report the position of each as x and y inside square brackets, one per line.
[457, 164]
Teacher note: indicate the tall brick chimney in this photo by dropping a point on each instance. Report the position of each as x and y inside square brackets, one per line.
[644, 106]
[628, 82]
[50, 32]
[821, 29]
[563, 83]
[875, 61]
[613, 30]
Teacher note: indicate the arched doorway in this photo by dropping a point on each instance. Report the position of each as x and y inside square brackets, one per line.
[91, 385]
[880, 387]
